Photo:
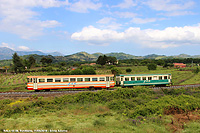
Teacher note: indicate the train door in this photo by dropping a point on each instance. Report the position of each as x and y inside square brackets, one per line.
[107, 82]
[122, 80]
[34, 83]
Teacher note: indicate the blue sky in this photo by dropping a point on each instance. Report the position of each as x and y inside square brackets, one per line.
[137, 27]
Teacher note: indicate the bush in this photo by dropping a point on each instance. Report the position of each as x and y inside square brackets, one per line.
[128, 70]
[152, 66]
[88, 71]
[115, 71]
[76, 72]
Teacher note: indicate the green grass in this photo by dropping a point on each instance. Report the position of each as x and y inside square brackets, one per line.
[122, 110]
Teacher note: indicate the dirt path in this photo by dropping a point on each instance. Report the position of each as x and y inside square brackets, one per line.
[180, 118]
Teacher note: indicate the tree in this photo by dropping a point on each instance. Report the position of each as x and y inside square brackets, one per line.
[17, 63]
[31, 61]
[196, 71]
[115, 71]
[152, 66]
[128, 70]
[88, 71]
[102, 60]
[76, 72]
[45, 60]
[160, 62]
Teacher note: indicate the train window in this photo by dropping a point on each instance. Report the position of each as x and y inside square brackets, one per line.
[101, 79]
[57, 79]
[41, 80]
[79, 79]
[165, 77]
[72, 79]
[107, 78]
[111, 78]
[154, 77]
[121, 79]
[138, 78]
[49, 80]
[143, 78]
[65, 79]
[30, 80]
[126, 79]
[87, 79]
[149, 78]
[160, 77]
[117, 79]
[132, 78]
[94, 79]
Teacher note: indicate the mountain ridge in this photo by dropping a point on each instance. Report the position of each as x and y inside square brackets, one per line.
[6, 53]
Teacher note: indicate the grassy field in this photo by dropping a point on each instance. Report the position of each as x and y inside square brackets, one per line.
[123, 110]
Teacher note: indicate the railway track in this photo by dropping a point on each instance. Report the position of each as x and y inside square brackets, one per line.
[4, 95]
[178, 86]
[37, 94]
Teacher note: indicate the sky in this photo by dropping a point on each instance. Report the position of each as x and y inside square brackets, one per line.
[137, 27]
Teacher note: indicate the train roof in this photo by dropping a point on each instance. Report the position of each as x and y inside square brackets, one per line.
[66, 76]
[142, 74]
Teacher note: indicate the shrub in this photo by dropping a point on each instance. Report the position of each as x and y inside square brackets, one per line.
[152, 66]
[88, 71]
[115, 71]
[128, 70]
[76, 72]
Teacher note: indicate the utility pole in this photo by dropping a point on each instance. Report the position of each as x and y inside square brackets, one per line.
[192, 63]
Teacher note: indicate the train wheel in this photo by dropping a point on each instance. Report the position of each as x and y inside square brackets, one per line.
[47, 90]
[37, 90]
[91, 88]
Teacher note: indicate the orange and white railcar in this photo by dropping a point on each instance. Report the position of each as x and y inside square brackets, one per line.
[69, 81]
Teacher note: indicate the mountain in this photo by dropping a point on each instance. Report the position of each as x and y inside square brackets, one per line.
[22, 53]
[55, 54]
[6, 53]
[122, 55]
[81, 56]
[154, 56]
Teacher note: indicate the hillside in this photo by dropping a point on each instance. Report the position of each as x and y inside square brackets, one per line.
[6, 53]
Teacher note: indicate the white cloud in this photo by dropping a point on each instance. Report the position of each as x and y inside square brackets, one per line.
[177, 13]
[125, 14]
[18, 18]
[93, 35]
[13, 47]
[126, 4]
[143, 21]
[169, 5]
[105, 20]
[109, 23]
[3, 44]
[23, 48]
[169, 37]
[83, 6]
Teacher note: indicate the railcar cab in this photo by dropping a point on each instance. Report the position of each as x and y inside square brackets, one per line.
[143, 79]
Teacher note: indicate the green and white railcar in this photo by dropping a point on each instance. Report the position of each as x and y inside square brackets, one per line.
[143, 79]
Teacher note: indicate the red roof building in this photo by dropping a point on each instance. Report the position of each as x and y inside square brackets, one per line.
[179, 65]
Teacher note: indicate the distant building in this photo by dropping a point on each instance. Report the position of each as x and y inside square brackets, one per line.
[92, 64]
[74, 68]
[179, 65]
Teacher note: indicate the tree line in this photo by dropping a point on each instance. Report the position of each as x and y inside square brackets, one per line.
[20, 65]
